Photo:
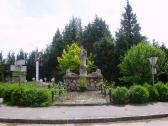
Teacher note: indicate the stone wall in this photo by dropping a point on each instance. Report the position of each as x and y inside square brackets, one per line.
[73, 84]
[19, 79]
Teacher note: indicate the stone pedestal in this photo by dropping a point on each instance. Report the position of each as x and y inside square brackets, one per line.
[83, 66]
[93, 80]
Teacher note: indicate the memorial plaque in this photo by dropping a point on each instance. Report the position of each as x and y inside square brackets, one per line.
[12, 67]
[20, 62]
[18, 68]
[18, 73]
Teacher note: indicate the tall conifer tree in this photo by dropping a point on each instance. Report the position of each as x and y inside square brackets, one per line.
[127, 36]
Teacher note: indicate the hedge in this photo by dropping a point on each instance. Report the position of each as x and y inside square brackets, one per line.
[120, 95]
[153, 92]
[25, 95]
[138, 94]
[162, 90]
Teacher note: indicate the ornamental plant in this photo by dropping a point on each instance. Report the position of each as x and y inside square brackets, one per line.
[120, 95]
[162, 90]
[138, 94]
[70, 59]
[135, 66]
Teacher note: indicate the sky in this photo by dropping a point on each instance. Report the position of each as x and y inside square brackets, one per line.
[31, 24]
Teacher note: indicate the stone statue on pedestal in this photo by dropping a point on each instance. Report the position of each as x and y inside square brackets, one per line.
[83, 66]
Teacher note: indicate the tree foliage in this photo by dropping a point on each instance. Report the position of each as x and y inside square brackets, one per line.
[129, 33]
[4, 68]
[94, 32]
[127, 36]
[11, 58]
[21, 55]
[31, 66]
[70, 59]
[97, 39]
[48, 58]
[135, 66]
[104, 57]
[73, 31]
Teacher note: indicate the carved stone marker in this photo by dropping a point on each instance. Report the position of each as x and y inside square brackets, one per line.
[83, 67]
[37, 57]
[19, 71]
[73, 81]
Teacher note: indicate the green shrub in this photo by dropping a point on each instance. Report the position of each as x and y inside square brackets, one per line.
[138, 94]
[1, 90]
[31, 97]
[135, 66]
[83, 83]
[7, 92]
[167, 84]
[26, 95]
[162, 90]
[22, 96]
[153, 93]
[60, 90]
[120, 95]
[43, 98]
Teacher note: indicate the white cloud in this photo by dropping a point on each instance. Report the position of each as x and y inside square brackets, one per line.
[153, 18]
[20, 29]
[25, 32]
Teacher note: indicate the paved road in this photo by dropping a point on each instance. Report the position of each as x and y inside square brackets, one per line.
[83, 112]
[153, 122]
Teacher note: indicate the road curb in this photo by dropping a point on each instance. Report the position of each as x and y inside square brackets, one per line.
[94, 104]
[79, 120]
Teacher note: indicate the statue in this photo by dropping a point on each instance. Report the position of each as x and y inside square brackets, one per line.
[83, 66]
[96, 74]
[70, 74]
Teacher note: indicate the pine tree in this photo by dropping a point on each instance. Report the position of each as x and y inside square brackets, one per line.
[57, 44]
[21, 55]
[2, 67]
[104, 57]
[129, 33]
[31, 66]
[56, 50]
[11, 58]
[98, 40]
[1, 57]
[127, 36]
[49, 63]
[94, 32]
[73, 31]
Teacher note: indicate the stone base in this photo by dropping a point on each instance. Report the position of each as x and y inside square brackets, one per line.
[73, 84]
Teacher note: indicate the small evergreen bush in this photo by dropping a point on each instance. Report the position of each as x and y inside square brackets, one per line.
[153, 93]
[26, 95]
[138, 94]
[162, 90]
[120, 95]
[166, 84]
[34, 97]
[1, 90]
[7, 92]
